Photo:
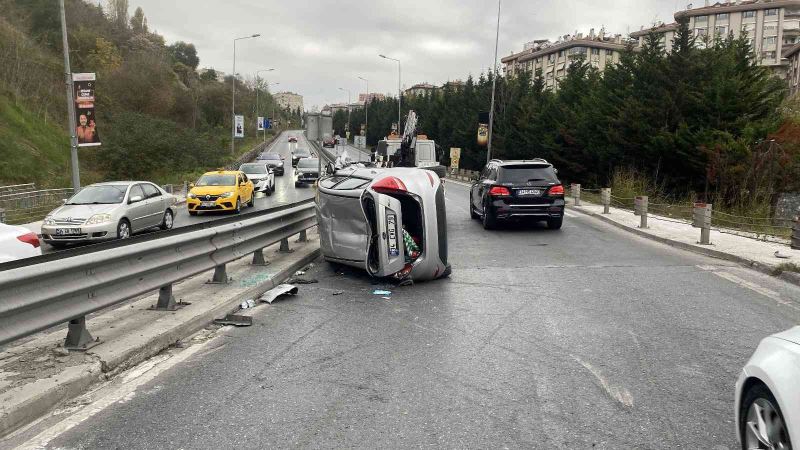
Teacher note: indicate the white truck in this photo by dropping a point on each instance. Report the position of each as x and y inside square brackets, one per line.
[410, 150]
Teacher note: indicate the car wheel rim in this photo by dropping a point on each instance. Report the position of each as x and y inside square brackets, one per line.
[764, 428]
[168, 220]
[124, 230]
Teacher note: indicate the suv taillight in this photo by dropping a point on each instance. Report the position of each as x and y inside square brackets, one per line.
[499, 191]
[30, 238]
[556, 191]
[389, 185]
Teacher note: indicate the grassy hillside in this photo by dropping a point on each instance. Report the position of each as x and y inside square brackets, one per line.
[30, 149]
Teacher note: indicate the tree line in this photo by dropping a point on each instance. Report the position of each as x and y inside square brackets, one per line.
[702, 118]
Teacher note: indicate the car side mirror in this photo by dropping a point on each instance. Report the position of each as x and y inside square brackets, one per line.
[191, 185]
[135, 199]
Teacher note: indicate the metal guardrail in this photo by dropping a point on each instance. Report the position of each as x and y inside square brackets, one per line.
[21, 207]
[15, 188]
[42, 295]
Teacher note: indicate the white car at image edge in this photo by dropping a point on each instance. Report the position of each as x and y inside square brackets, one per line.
[768, 394]
[17, 243]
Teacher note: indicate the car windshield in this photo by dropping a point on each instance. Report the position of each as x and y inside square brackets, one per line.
[526, 173]
[308, 163]
[108, 194]
[217, 180]
[255, 169]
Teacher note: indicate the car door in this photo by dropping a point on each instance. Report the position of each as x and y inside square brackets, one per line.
[137, 208]
[155, 205]
[477, 191]
[486, 184]
[386, 251]
[247, 186]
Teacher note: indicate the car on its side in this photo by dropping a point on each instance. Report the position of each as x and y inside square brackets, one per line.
[17, 243]
[298, 154]
[273, 160]
[261, 175]
[112, 210]
[292, 139]
[767, 405]
[389, 222]
[222, 190]
[306, 172]
[507, 190]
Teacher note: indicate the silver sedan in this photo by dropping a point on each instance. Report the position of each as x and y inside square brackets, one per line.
[390, 222]
[113, 210]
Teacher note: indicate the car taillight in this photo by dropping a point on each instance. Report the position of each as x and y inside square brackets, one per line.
[389, 185]
[499, 191]
[556, 191]
[30, 238]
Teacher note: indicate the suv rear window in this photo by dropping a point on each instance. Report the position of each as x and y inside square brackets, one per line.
[525, 173]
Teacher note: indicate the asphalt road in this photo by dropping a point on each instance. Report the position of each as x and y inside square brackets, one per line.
[587, 337]
[285, 191]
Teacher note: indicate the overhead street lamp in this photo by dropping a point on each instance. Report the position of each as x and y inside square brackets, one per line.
[494, 87]
[399, 92]
[233, 97]
[366, 108]
[258, 88]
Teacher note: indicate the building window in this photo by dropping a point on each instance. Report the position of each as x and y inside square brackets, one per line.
[561, 54]
[596, 51]
[722, 17]
[609, 52]
[770, 30]
[771, 12]
[721, 31]
[749, 14]
[768, 55]
[701, 19]
[772, 40]
[700, 32]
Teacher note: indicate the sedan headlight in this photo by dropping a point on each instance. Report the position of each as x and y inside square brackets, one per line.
[98, 219]
[49, 221]
[192, 195]
[226, 195]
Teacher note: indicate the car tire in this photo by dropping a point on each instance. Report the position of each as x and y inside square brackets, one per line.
[168, 221]
[472, 214]
[761, 395]
[489, 219]
[238, 207]
[269, 191]
[124, 229]
[252, 202]
[555, 224]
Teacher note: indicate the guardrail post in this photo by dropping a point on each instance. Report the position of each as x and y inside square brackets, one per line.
[796, 234]
[576, 193]
[166, 301]
[605, 195]
[78, 337]
[285, 246]
[303, 237]
[185, 188]
[220, 275]
[701, 214]
[640, 207]
[2, 215]
[258, 258]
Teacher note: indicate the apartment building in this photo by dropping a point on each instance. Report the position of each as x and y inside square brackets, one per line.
[420, 89]
[554, 58]
[364, 98]
[289, 100]
[666, 31]
[792, 58]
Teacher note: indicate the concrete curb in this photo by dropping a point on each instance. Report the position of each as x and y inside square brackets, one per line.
[769, 270]
[72, 385]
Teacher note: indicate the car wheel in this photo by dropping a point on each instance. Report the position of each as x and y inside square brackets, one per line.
[489, 219]
[555, 224]
[268, 192]
[169, 220]
[296, 184]
[252, 202]
[762, 424]
[238, 207]
[472, 214]
[123, 229]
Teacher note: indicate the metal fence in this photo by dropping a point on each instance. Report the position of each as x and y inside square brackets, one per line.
[13, 189]
[42, 294]
[23, 207]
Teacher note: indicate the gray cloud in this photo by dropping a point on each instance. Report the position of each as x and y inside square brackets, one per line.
[319, 46]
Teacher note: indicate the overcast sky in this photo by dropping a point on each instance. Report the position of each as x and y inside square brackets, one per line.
[318, 46]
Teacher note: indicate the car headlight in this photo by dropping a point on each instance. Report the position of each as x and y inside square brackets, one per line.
[226, 195]
[98, 218]
[49, 221]
[192, 195]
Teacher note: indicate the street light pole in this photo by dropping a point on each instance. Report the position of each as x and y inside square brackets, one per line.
[73, 138]
[349, 100]
[494, 87]
[233, 96]
[366, 110]
[258, 88]
[399, 91]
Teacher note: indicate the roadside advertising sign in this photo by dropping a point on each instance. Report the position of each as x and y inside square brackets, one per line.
[260, 123]
[239, 127]
[83, 85]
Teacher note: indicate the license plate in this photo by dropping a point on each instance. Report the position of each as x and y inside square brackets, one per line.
[391, 220]
[208, 204]
[67, 231]
[529, 192]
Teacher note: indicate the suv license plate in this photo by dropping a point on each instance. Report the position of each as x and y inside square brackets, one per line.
[391, 221]
[67, 231]
[529, 192]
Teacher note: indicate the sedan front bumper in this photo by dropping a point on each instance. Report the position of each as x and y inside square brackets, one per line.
[79, 233]
[222, 204]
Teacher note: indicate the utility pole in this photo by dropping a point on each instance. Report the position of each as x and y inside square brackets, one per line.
[73, 137]
[258, 88]
[349, 100]
[366, 110]
[494, 87]
[399, 91]
[233, 96]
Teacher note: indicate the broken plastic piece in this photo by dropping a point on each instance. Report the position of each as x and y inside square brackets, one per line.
[780, 255]
[303, 281]
[248, 304]
[338, 293]
[235, 320]
[278, 291]
[381, 292]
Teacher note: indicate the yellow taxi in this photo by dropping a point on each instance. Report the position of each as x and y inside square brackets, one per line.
[222, 190]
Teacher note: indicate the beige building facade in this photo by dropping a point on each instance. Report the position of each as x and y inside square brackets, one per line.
[289, 100]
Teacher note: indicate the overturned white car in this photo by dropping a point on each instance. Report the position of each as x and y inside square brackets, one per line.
[390, 222]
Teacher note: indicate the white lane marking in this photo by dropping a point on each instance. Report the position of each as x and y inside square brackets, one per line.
[135, 378]
[569, 214]
[618, 393]
[769, 293]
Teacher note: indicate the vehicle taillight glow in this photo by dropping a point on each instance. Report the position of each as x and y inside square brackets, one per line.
[556, 190]
[389, 185]
[499, 191]
[30, 238]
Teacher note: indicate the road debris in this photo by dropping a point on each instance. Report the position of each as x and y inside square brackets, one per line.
[302, 281]
[338, 293]
[247, 304]
[279, 291]
[381, 292]
[780, 255]
[299, 273]
[235, 320]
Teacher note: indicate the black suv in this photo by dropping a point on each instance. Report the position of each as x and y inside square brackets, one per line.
[517, 189]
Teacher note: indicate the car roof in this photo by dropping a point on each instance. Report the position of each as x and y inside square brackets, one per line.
[222, 172]
[117, 183]
[518, 162]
